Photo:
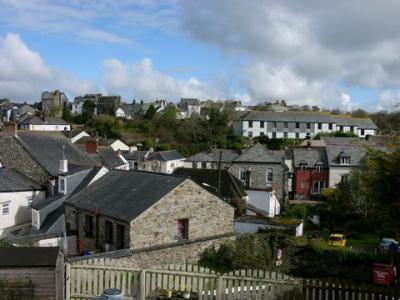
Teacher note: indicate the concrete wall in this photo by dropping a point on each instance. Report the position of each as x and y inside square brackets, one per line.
[207, 215]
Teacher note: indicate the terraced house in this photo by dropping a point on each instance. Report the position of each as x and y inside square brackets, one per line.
[299, 125]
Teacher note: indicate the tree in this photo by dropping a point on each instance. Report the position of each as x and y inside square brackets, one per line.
[359, 113]
[55, 111]
[151, 112]
[66, 114]
[88, 108]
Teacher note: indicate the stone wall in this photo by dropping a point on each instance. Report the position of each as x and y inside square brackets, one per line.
[258, 176]
[75, 221]
[13, 155]
[159, 256]
[207, 214]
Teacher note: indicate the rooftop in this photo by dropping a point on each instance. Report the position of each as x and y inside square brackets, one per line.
[13, 181]
[14, 257]
[124, 195]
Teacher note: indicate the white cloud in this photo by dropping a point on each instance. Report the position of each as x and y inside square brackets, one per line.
[24, 74]
[389, 100]
[298, 50]
[141, 80]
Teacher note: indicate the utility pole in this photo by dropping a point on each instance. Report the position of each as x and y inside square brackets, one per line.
[219, 173]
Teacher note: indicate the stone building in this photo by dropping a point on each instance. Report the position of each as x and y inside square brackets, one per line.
[51, 100]
[137, 210]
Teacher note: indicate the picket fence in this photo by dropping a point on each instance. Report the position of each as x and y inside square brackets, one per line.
[84, 281]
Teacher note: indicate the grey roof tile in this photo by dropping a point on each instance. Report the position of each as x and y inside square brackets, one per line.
[124, 195]
[13, 181]
[259, 153]
[311, 157]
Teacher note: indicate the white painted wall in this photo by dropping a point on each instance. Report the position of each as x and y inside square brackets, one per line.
[50, 127]
[170, 165]
[79, 136]
[19, 212]
[119, 145]
[264, 200]
[336, 173]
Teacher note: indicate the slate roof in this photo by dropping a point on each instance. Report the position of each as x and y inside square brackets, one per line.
[228, 155]
[107, 157]
[13, 181]
[159, 155]
[34, 120]
[231, 187]
[124, 195]
[259, 153]
[356, 153]
[304, 116]
[46, 148]
[36, 257]
[311, 157]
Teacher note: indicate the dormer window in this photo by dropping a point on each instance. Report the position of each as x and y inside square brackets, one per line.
[318, 167]
[62, 187]
[344, 160]
[303, 165]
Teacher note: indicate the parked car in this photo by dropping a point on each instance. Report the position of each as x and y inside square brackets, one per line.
[388, 244]
[337, 239]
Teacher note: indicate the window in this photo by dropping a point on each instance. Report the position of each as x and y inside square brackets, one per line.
[302, 185]
[344, 160]
[262, 133]
[303, 165]
[183, 228]
[308, 125]
[297, 135]
[297, 125]
[88, 226]
[319, 125]
[274, 124]
[250, 124]
[285, 124]
[362, 132]
[261, 124]
[109, 234]
[29, 201]
[285, 135]
[330, 126]
[35, 218]
[250, 134]
[318, 187]
[269, 176]
[5, 208]
[61, 186]
[120, 237]
[204, 165]
[242, 175]
[274, 135]
[318, 168]
[351, 128]
[194, 165]
[340, 128]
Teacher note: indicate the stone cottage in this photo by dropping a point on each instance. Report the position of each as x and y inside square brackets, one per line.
[139, 210]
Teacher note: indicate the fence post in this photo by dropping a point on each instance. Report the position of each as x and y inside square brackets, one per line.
[68, 281]
[220, 288]
[142, 284]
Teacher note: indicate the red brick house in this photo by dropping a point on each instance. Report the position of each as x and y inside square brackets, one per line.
[311, 172]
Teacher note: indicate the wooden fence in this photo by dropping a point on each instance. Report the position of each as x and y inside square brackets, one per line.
[84, 281]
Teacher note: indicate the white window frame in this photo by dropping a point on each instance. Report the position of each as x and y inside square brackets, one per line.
[344, 161]
[318, 168]
[35, 218]
[64, 182]
[5, 206]
[269, 175]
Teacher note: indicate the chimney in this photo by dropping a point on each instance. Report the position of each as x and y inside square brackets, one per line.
[91, 146]
[9, 128]
[63, 162]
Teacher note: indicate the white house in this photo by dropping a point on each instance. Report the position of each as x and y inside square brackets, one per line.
[189, 107]
[299, 124]
[161, 161]
[262, 202]
[35, 123]
[17, 195]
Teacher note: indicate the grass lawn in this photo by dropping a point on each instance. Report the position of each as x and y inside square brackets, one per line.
[364, 243]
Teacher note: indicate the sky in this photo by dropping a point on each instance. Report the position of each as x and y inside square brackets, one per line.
[335, 54]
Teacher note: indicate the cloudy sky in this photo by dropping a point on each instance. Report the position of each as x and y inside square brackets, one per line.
[343, 53]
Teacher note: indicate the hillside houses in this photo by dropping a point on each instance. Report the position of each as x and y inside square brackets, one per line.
[299, 125]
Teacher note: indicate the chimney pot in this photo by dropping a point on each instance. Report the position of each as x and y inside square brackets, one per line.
[10, 128]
